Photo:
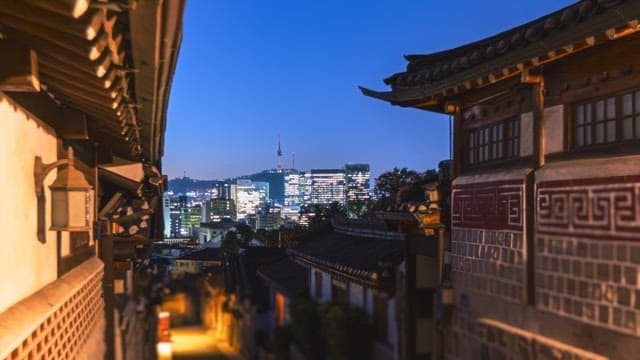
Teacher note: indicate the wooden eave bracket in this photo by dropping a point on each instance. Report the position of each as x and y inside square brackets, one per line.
[527, 78]
[18, 68]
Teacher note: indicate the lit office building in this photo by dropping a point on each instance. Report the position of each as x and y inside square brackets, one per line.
[327, 186]
[263, 190]
[293, 195]
[357, 182]
[190, 217]
[215, 210]
[268, 218]
[166, 214]
[248, 196]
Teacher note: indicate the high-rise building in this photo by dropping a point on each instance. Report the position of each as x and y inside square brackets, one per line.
[190, 216]
[268, 217]
[215, 210]
[166, 213]
[263, 191]
[327, 186]
[248, 196]
[293, 195]
[357, 182]
[175, 215]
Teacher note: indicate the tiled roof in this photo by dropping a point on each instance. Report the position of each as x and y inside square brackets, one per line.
[508, 53]
[248, 262]
[208, 254]
[359, 256]
[286, 276]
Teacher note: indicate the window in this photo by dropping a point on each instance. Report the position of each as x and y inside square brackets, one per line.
[607, 120]
[497, 141]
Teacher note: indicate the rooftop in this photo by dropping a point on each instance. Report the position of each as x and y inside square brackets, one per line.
[431, 78]
[286, 276]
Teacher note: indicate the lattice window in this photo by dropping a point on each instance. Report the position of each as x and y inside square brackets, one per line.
[497, 141]
[606, 120]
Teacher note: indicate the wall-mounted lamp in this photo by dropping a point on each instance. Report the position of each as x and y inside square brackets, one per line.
[70, 199]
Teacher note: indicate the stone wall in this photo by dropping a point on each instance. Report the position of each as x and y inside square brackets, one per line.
[489, 262]
[481, 338]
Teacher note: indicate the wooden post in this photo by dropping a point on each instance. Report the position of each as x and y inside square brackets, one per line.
[537, 102]
[458, 145]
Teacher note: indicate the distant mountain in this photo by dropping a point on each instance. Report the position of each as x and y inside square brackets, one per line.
[275, 180]
[184, 184]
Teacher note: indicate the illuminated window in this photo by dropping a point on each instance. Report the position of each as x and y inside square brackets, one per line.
[497, 141]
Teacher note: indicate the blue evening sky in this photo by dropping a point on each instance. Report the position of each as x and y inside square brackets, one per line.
[249, 70]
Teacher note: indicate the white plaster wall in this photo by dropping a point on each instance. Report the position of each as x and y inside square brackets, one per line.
[554, 129]
[392, 327]
[356, 295]
[526, 134]
[584, 168]
[326, 287]
[312, 283]
[27, 264]
[368, 302]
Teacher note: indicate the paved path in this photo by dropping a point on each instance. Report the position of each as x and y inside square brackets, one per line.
[193, 342]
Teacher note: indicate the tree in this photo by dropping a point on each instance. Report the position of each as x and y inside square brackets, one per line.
[322, 215]
[246, 233]
[230, 243]
[389, 183]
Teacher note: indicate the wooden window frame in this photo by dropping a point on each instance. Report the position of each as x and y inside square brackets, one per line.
[494, 142]
[584, 134]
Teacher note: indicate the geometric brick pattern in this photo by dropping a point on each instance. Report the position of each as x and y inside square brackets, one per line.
[496, 205]
[594, 281]
[488, 262]
[605, 208]
[64, 332]
[469, 338]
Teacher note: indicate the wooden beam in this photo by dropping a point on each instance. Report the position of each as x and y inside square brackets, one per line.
[18, 68]
[68, 123]
[591, 40]
[610, 34]
[71, 8]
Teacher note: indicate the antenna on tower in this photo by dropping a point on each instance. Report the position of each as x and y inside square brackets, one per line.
[293, 161]
[279, 155]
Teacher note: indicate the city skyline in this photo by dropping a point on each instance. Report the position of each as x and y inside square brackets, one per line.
[293, 69]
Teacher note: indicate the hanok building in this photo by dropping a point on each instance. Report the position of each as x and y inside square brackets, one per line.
[545, 222]
[84, 87]
[355, 264]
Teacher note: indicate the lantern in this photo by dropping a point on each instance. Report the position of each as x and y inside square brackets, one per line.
[70, 195]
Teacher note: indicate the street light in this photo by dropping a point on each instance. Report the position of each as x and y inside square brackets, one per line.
[70, 194]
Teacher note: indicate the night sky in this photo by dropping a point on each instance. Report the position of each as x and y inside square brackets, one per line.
[250, 70]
